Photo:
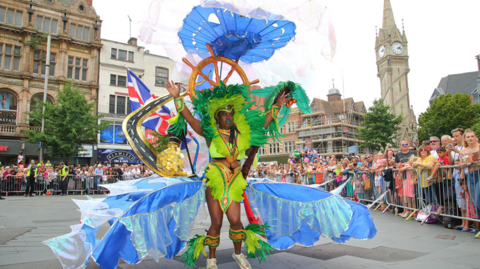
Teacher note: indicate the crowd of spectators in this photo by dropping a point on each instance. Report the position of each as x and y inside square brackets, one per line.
[441, 175]
[47, 178]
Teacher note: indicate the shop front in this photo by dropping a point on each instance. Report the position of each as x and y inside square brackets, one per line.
[85, 155]
[118, 156]
[9, 150]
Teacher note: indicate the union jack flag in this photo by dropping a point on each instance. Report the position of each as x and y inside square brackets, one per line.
[140, 95]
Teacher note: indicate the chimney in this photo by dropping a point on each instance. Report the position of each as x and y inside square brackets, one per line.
[132, 41]
[89, 2]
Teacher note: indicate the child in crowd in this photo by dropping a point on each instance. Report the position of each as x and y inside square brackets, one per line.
[349, 173]
[409, 182]
[441, 161]
[461, 203]
[471, 211]
[360, 184]
[379, 166]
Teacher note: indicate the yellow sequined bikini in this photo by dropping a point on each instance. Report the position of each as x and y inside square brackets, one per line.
[227, 184]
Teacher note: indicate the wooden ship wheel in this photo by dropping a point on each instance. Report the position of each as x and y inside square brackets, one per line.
[215, 60]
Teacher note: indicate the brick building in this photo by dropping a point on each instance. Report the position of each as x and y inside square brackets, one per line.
[330, 129]
[75, 30]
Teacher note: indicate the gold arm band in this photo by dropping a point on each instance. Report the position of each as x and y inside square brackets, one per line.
[179, 104]
[275, 109]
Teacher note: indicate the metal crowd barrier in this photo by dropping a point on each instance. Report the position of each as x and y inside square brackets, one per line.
[451, 195]
[76, 184]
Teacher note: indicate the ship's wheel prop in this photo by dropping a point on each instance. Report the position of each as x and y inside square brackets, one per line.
[218, 62]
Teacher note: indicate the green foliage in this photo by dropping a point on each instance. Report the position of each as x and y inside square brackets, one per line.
[379, 128]
[69, 123]
[446, 113]
[36, 40]
[161, 143]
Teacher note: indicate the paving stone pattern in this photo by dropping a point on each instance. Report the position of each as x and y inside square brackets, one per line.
[27, 221]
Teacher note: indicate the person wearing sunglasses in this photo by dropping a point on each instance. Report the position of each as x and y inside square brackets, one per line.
[404, 154]
[434, 144]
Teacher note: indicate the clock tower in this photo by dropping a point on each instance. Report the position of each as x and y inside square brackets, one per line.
[391, 48]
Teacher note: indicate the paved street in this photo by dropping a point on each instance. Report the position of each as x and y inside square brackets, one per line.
[26, 222]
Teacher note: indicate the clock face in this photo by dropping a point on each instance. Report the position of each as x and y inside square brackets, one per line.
[397, 48]
[381, 51]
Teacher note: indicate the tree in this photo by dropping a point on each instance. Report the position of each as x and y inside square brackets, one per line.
[69, 123]
[379, 128]
[446, 113]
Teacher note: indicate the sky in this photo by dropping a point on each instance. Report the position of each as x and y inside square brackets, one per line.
[441, 35]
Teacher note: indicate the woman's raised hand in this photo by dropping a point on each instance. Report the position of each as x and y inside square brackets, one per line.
[282, 100]
[173, 89]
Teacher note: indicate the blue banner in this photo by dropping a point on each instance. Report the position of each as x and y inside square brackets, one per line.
[118, 156]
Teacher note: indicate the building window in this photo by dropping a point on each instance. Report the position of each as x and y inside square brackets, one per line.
[79, 32]
[77, 68]
[161, 76]
[47, 25]
[11, 16]
[119, 105]
[118, 80]
[39, 58]
[10, 57]
[8, 108]
[113, 134]
[122, 55]
[288, 146]
[111, 107]
[290, 127]
[36, 101]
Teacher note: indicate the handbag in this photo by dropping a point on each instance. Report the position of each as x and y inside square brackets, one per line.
[368, 184]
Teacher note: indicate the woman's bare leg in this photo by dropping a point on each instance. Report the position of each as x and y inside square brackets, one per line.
[233, 215]
[216, 217]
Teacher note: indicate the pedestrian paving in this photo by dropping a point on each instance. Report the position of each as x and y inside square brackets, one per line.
[27, 221]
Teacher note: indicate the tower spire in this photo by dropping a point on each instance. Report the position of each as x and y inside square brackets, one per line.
[388, 19]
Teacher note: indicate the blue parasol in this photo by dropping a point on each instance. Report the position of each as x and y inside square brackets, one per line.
[234, 36]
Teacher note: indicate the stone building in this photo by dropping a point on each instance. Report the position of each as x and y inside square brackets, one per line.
[113, 100]
[391, 47]
[75, 31]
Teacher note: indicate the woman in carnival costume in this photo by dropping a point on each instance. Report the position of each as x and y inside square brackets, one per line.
[230, 127]
[154, 216]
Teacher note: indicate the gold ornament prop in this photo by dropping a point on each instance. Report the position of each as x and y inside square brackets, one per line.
[170, 161]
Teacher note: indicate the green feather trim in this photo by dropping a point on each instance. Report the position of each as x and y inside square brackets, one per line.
[194, 248]
[283, 116]
[262, 92]
[257, 248]
[303, 102]
[177, 125]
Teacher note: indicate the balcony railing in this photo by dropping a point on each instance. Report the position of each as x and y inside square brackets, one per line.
[35, 128]
[5, 128]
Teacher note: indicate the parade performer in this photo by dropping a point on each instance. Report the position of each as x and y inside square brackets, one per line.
[230, 127]
[155, 216]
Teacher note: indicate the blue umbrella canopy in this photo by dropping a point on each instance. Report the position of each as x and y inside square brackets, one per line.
[234, 36]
